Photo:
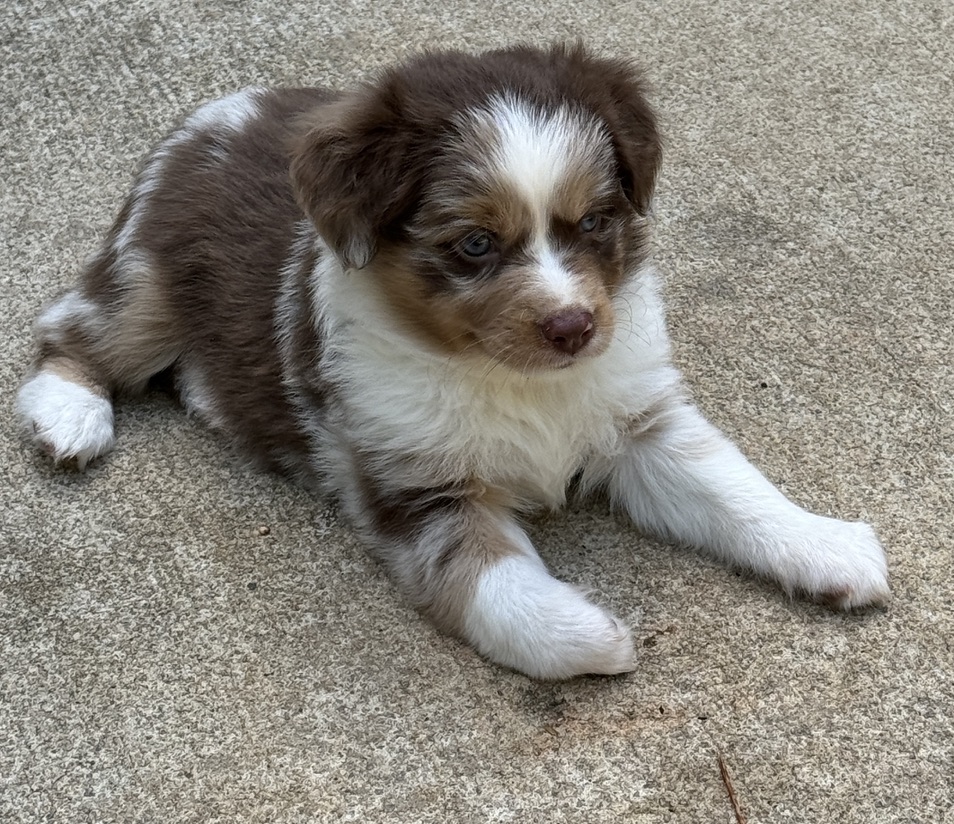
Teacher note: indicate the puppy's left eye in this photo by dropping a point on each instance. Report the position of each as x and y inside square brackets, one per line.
[478, 245]
[590, 222]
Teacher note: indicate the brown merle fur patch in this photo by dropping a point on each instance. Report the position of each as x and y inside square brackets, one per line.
[457, 531]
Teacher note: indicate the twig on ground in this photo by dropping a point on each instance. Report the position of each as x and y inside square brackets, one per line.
[730, 789]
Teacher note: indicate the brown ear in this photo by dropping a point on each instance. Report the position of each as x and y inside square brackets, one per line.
[637, 143]
[621, 92]
[353, 171]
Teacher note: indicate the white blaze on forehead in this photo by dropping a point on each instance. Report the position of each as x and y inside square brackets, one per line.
[535, 149]
[554, 276]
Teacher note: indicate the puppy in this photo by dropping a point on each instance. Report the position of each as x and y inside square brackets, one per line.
[432, 295]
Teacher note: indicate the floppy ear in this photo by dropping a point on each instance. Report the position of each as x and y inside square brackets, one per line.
[636, 141]
[354, 173]
[621, 92]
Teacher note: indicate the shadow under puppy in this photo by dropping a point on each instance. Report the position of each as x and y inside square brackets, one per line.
[432, 294]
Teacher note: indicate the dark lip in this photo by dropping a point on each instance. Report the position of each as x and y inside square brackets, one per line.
[566, 362]
[557, 362]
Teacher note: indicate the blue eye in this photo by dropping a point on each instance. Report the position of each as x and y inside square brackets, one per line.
[478, 245]
[589, 222]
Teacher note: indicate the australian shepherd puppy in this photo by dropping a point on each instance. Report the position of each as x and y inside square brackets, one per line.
[432, 295]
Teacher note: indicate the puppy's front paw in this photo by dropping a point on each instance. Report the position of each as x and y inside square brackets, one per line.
[847, 566]
[524, 618]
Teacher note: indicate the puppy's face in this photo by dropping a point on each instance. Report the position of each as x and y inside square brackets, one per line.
[520, 239]
[513, 218]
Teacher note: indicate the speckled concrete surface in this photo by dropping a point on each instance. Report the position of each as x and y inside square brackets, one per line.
[163, 661]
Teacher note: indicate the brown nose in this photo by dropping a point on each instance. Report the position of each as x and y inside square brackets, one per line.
[568, 331]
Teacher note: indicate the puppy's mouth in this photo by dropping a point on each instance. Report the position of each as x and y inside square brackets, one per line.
[557, 361]
[557, 343]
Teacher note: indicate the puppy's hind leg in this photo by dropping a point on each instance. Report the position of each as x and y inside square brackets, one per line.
[112, 332]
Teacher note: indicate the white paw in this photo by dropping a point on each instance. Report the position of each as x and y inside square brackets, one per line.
[524, 618]
[845, 566]
[68, 420]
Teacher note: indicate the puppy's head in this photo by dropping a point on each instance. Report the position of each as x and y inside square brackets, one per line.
[498, 202]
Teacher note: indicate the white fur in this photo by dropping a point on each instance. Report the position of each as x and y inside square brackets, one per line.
[620, 416]
[399, 416]
[232, 113]
[524, 618]
[72, 308]
[135, 267]
[287, 306]
[554, 277]
[688, 482]
[534, 150]
[288, 311]
[196, 396]
[67, 419]
[528, 434]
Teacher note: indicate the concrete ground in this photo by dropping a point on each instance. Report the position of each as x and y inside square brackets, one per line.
[165, 661]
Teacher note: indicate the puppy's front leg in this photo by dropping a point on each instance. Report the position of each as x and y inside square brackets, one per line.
[681, 477]
[468, 565]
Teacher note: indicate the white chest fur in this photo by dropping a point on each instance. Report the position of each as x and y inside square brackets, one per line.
[458, 417]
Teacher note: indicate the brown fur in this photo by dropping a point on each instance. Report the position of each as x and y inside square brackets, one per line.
[200, 286]
[76, 372]
[278, 248]
[466, 537]
[378, 171]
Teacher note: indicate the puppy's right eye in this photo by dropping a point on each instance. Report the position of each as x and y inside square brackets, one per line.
[590, 222]
[478, 245]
